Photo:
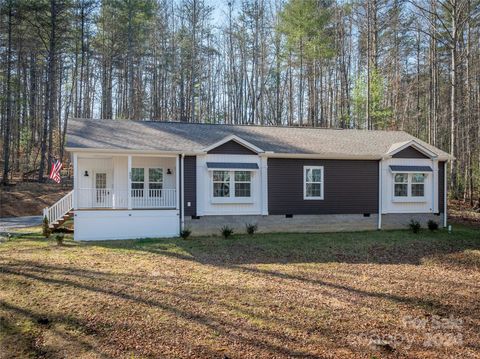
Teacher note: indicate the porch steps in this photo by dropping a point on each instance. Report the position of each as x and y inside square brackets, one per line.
[62, 220]
[60, 211]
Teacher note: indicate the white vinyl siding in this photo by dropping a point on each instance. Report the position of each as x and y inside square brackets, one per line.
[414, 202]
[239, 201]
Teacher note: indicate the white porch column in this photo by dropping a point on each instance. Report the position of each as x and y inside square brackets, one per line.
[75, 181]
[129, 182]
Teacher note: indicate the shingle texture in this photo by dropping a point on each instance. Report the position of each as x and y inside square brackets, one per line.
[194, 137]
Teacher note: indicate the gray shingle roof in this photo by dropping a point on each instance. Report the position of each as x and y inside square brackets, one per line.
[194, 137]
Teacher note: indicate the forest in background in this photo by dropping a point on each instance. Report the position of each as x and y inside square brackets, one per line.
[366, 64]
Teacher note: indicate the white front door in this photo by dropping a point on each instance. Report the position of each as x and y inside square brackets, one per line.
[103, 190]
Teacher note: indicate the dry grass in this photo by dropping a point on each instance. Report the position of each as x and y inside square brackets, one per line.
[371, 294]
[29, 198]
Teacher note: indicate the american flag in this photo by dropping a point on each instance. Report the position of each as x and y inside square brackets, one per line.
[55, 172]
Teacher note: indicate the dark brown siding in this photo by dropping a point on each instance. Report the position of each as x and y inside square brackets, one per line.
[350, 187]
[190, 185]
[441, 188]
[409, 152]
[232, 148]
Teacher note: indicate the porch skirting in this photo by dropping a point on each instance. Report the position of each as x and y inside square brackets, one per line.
[211, 225]
[125, 224]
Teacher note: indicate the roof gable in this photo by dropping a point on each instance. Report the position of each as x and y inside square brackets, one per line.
[233, 145]
[232, 148]
[410, 149]
[410, 152]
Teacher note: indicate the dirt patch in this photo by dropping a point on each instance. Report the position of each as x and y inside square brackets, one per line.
[30, 198]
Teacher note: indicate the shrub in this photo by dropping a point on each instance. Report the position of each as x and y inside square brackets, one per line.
[46, 230]
[415, 226]
[432, 225]
[226, 231]
[185, 233]
[59, 238]
[251, 228]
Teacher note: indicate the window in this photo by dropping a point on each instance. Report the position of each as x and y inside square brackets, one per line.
[221, 184]
[232, 184]
[242, 183]
[401, 185]
[155, 182]
[409, 185]
[418, 185]
[138, 182]
[313, 182]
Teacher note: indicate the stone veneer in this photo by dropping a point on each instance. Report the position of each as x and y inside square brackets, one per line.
[211, 225]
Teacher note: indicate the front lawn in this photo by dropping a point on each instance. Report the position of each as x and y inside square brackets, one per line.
[369, 294]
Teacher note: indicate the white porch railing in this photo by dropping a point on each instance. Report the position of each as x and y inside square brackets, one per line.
[59, 209]
[118, 199]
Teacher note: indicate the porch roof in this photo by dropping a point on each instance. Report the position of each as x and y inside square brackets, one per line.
[193, 138]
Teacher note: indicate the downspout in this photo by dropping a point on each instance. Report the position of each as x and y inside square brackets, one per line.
[182, 190]
[445, 194]
[380, 188]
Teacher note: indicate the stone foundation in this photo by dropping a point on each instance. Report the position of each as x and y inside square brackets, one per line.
[401, 220]
[211, 225]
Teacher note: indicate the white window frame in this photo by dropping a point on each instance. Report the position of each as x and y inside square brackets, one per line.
[146, 181]
[159, 182]
[132, 182]
[315, 198]
[232, 198]
[409, 197]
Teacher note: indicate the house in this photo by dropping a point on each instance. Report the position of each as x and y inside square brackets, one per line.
[135, 179]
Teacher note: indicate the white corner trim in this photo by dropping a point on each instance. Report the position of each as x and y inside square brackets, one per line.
[237, 139]
[182, 189]
[397, 147]
[320, 198]
[380, 192]
[445, 195]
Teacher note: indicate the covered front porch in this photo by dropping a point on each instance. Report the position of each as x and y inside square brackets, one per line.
[125, 181]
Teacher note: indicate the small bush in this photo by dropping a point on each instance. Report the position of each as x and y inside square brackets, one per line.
[432, 225]
[46, 230]
[185, 233]
[59, 238]
[251, 228]
[415, 226]
[226, 231]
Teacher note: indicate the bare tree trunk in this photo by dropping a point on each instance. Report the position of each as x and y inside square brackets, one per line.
[8, 118]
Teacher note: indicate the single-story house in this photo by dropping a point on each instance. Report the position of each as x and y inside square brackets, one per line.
[136, 179]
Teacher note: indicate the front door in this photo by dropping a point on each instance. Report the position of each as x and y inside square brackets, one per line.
[102, 192]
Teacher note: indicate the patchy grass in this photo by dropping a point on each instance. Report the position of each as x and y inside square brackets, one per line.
[370, 294]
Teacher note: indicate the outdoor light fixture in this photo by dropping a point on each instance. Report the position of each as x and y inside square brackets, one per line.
[86, 174]
[169, 171]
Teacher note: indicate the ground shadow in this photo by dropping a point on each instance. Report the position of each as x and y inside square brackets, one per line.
[382, 247]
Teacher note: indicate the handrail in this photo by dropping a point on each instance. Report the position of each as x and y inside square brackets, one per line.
[91, 198]
[59, 209]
